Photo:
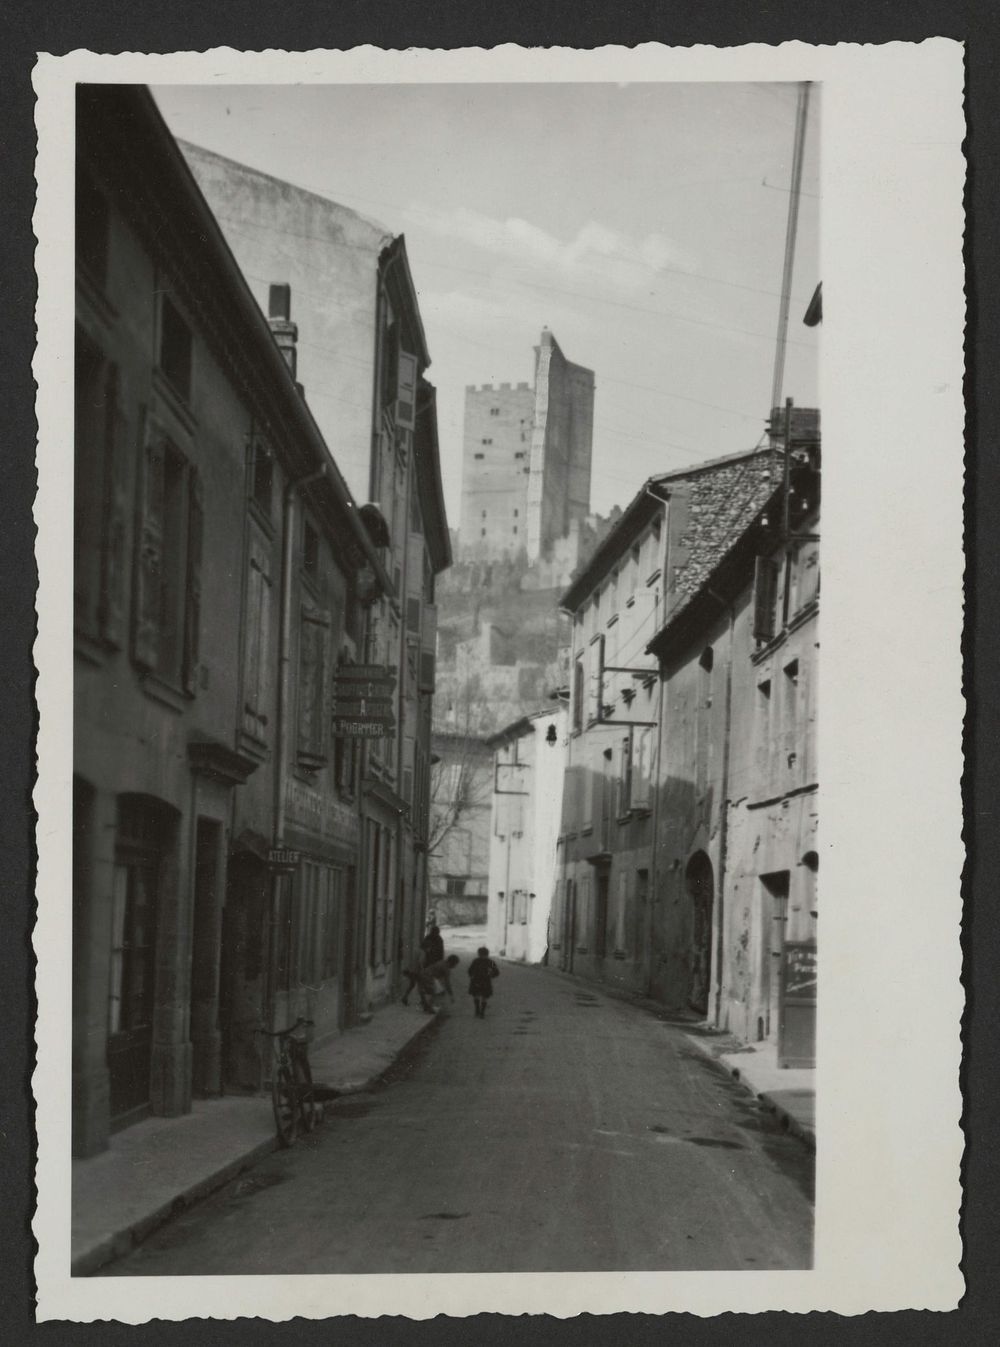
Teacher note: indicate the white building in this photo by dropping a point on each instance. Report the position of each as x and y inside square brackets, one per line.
[529, 761]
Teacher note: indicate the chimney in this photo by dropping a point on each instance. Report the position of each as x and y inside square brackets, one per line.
[285, 332]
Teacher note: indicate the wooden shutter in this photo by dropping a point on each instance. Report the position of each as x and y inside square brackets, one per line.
[257, 651]
[428, 648]
[148, 606]
[313, 692]
[192, 595]
[642, 767]
[114, 565]
[406, 391]
[765, 593]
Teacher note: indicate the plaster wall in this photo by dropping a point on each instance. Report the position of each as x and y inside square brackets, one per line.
[282, 234]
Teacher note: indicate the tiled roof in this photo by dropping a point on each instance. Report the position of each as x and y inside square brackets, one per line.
[720, 504]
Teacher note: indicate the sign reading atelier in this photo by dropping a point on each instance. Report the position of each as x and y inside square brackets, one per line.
[364, 705]
[283, 859]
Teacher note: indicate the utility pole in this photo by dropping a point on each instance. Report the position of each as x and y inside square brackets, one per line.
[801, 115]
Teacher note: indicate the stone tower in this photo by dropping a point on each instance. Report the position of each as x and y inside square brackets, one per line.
[526, 459]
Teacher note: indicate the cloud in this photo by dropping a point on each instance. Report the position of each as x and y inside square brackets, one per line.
[595, 251]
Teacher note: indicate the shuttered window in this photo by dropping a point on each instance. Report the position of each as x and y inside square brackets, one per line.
[406, 396]
[257, 657]
[167, 601]
[313, 690]
[765, 595]
[102, 503]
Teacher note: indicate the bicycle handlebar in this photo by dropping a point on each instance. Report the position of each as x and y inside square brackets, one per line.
[284, 1033]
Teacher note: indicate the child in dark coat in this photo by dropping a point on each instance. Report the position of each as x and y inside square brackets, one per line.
[482, 971]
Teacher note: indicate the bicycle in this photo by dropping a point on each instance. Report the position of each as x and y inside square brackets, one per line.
[293, 1095]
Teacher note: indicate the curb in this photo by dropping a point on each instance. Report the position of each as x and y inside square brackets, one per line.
[122, 1242]
[790, 1124]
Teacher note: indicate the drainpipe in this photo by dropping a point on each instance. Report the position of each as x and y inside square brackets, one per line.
[720, 906]
[282, 736]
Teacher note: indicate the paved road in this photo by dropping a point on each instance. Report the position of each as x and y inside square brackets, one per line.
[568, 1131]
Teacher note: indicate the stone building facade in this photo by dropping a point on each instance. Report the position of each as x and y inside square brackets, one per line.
[615, 917]
[221, 571]
[362, 356]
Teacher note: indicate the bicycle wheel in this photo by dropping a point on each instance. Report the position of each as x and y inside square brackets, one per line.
[310, 1110]
[285, 1101]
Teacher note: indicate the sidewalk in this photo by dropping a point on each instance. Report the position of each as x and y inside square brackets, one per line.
[789, 1093]
[157, 1167]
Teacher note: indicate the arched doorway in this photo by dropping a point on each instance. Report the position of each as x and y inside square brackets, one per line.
[700, 884]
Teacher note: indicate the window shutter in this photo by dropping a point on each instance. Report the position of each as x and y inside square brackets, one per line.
[192, 601]
[257, 659]
[642, 770]
[406, 391]
[413, 615]
[114, 568]
[149, 560]
[313, 695]
[765, 587]
[428, 648]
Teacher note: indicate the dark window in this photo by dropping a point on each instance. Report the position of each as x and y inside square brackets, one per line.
[478, 455]
[519, 454]
[487, 441]
[175, 348]
[310, 550]
[515, 528]
[390, 364]
[494, 411]
[91, 228]
[578, 693]
[262, 476]
[515, 514]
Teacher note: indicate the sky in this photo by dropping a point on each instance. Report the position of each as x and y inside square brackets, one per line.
[644, 224]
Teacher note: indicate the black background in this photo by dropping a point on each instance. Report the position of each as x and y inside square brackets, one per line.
[117, 25]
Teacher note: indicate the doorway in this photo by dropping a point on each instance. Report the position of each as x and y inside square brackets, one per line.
[243, 969]
[205, 933]
[141, 844]
[773, 915]
[570, 925]
[700, 884]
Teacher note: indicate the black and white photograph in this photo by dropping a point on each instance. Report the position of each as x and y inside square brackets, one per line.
[444, 619]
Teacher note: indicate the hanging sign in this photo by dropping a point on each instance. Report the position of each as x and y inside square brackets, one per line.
[364, 706]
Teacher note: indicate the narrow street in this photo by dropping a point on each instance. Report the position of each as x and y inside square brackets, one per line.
[567, 1131]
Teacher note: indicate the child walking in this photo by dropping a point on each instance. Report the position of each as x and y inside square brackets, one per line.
[482, 971]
